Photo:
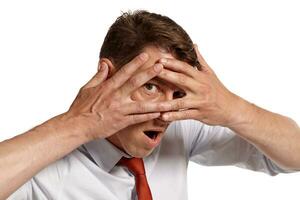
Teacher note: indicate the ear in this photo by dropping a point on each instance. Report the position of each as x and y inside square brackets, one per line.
[111, 68]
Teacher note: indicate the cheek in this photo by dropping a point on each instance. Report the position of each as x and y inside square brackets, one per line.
[130, 137]
[138, 95]
[130, 134]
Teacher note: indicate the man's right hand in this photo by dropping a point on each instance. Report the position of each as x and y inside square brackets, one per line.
[103, 106]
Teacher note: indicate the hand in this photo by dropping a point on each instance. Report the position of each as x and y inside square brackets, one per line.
[206, 100]
[105, 107]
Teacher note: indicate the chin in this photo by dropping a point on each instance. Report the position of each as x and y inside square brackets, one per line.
[140, 140]
[143, 155]
[139, 153]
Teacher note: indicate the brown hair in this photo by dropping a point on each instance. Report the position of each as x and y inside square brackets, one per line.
[131, 32]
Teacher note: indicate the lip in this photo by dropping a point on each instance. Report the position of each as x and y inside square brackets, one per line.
[151, 143]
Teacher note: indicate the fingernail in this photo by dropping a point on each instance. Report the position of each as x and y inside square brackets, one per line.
[163, 61]
[158, 67]
[144, 56]
[103, 66]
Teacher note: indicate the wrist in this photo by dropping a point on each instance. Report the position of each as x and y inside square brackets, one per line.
[70, 127]
[242, 114]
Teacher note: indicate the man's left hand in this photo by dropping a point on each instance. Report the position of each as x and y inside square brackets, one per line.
[206, 99]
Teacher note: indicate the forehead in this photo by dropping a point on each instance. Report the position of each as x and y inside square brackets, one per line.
[155, 53]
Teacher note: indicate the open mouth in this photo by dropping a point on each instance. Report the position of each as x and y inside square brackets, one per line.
[151, 134]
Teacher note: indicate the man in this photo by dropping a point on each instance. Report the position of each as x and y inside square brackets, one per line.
[124, 113]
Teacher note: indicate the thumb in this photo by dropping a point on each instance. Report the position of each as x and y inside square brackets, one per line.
[99, 77]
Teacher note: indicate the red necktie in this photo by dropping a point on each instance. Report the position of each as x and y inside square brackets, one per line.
[136, 167]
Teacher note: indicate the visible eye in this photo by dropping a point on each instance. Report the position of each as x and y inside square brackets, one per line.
[150, 88]
[178, 94]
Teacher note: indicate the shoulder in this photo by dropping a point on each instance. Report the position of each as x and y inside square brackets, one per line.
[186, 128]
[47, 181]
[51, 179]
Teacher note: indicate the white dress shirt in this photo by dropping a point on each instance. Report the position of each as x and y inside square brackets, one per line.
[90, 172]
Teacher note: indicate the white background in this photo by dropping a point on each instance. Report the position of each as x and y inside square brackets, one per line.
[49, 49]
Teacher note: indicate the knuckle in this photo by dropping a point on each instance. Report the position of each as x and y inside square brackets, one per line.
[161, 106]
[205, 89]
[113, 81]
[186, 114]
[139, 60]
[151, 72]
[83, 94]
[114, 105]
[125, 71]
[163, 73]
[179, 104]
[81, 90]
[140, 107]
[181, 79]
[116, 126]
[114, 96]
[133, 119]
[119, 117]
[135, 63]
[133, 82]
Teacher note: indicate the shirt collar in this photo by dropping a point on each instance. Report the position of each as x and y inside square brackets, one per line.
[104, 153]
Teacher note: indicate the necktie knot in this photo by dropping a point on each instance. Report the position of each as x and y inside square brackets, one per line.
[135, 165]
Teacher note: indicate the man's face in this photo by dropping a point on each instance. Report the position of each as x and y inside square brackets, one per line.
[139, 140]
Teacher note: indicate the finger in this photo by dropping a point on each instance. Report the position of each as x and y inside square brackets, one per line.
[139, 118]
[203, 63]
[149, 106]
[180, 115]
[126, 71]
[179, 104]
[181, 80]
[164, 106]
[143, 107]
[141, 78]
[179, 66]
[99, 77]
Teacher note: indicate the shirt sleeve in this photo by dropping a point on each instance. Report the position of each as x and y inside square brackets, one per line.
[217, 146]
[23, 193]
[44, 185]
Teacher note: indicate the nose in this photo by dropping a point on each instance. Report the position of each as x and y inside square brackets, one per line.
[169, 95]
[159, 122]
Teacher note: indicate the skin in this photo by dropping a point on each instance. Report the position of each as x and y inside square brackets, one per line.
[102, 107]
[209, 101]
[132, 140]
